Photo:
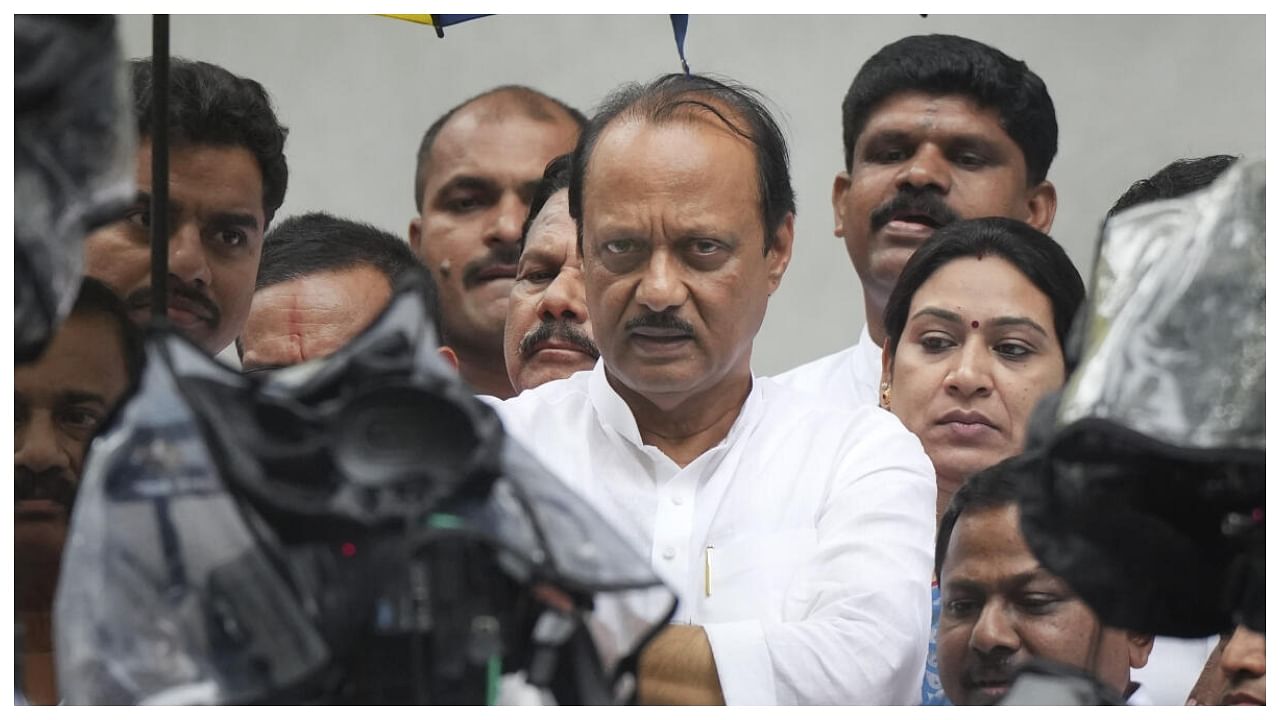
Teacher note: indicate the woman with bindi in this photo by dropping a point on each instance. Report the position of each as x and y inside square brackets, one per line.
[975, 330]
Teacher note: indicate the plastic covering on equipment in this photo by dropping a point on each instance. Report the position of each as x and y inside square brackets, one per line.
[308, 534]
[1145, 480]
[73, 161]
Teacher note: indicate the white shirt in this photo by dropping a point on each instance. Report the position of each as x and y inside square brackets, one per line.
[802, 543]
[849, 378]
[1173, 667]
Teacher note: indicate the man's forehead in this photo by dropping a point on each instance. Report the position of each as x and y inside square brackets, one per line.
[491, 118]
[989, 538]
[86, 339]
[223, 176]
[515, 146]
[552, 229]
[911, 109]
[620, 138]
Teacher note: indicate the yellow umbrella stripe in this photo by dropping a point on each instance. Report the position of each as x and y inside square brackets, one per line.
[420, 19]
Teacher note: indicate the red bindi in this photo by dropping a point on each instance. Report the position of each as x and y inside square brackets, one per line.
[974, 324]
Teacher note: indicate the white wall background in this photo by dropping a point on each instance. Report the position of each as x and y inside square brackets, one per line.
[357, 92]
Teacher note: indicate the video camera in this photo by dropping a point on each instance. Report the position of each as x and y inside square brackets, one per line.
[1147, 489]
[356, 529]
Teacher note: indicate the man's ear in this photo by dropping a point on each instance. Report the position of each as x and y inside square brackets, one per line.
[1140, 645]
[779, 255]
[1042, 205]
[838, 190]
[415, 235]
[448, 355]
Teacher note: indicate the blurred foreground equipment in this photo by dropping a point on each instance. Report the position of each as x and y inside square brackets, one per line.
[355, 529]
[73, 154]
[1150, 498]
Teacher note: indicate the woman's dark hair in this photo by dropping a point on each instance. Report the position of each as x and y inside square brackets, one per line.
[1036, 255]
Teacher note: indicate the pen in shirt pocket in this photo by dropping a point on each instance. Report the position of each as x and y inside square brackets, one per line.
[706, 570]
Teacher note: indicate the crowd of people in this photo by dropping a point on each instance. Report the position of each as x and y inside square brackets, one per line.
[843, 533]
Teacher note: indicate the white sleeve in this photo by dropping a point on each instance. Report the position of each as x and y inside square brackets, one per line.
[855, 628]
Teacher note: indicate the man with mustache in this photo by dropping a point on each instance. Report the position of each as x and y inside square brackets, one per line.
[59, 402]
[322, 281]
[936, 128]
[548, 333]
[227, 177]
[796, 537]
[477, 168]
[1000, 607]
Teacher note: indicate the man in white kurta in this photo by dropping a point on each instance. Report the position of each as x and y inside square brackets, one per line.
[800, 543]
[797, 538]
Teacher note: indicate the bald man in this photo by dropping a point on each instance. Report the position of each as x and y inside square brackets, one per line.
[478, 166]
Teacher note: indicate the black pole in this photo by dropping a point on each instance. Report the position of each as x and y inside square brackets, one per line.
[159, 170]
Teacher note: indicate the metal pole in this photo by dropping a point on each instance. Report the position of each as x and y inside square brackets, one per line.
[159, 170]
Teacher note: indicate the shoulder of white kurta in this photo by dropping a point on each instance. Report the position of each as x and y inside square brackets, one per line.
[859, 440]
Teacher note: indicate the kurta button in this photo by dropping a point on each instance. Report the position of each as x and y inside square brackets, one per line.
[676, 499]
[669, 553]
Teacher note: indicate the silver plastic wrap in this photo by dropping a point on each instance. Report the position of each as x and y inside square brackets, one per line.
[74, 141]
[1175, 342]
[156, 544]
[1144, 481]
[197, 570]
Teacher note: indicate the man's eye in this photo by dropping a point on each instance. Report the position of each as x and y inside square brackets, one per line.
[706, 247]
[971, 161]
[232, 238]
[960, 608]
[538, 277]
[139, 216]
[463, 203]
[1038, 603]
[888, 155]
[619, 247]
[80, 419]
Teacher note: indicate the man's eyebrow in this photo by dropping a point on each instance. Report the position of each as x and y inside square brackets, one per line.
[939, 313]
[229, 218]
[468, 182]
[80, 397]
[1018, 321]
[1009, 581]
[144, 198]
[962, 585]
[888, 135]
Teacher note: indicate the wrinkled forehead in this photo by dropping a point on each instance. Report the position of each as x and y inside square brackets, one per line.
[552, 229]
[615, 150]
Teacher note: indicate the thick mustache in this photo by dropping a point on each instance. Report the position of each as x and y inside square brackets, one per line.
[52, 484]
[989, 669]
[141, 299]
[501, 254]
[665, 320]
[559, 329]
[910, 201]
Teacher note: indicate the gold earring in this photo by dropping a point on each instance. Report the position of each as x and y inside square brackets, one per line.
[884, 396]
